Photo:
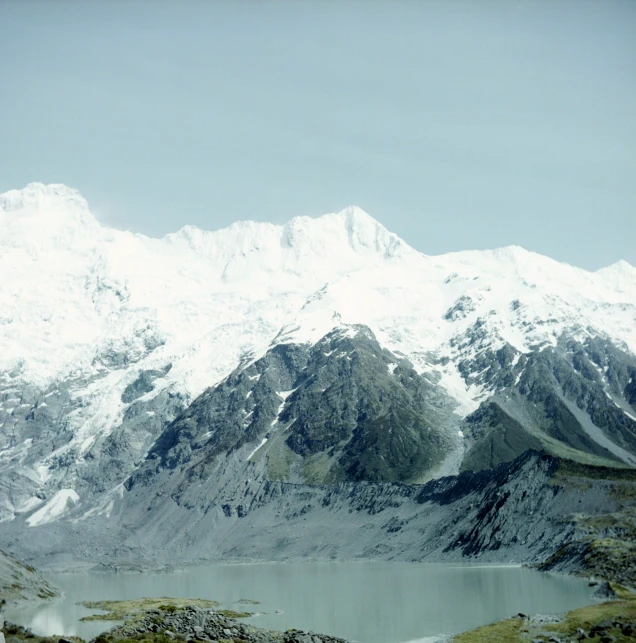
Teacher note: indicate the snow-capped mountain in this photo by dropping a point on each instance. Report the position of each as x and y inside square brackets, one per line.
[120, 354]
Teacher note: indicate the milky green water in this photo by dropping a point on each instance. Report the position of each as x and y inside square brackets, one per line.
[370, 602]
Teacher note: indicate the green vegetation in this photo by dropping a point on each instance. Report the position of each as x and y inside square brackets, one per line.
[501, 632]
[567, 453]
[586, 618]
[136, 609]
[316, 468]
[280, 458]
[604, 545]
[568, 468]
[612, 558]
[503, 439]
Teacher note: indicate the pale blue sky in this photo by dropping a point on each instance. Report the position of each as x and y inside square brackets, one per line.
[456, 124]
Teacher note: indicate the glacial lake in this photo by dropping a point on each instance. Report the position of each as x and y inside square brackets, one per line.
[370, 602]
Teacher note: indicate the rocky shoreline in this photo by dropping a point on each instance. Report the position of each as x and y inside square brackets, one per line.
[174, 621]
[192, 623]
[611, 622]
[169, 623]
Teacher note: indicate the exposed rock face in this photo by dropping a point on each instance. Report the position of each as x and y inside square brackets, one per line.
[605, 591]
[603, 544]
[278, 460]
[497, 438]
[193, 623]
[190, 623]
[343, 409]
[143, 384]
[39, 427]
[518, 512]
[570, 400]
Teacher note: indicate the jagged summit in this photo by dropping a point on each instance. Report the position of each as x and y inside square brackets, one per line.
[73, 291]
[57, 205]
[38, 196]
[46, 217]
[620, 267]
[349, 230]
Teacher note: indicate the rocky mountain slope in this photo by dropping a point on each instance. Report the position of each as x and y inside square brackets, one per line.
[20, 582]
[201, 372]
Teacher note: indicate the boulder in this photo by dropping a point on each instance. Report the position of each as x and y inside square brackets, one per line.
[605, 591]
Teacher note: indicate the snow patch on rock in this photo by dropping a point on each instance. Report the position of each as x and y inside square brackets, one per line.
[62, 502]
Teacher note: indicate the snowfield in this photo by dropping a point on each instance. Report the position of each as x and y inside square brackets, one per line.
[55, 508]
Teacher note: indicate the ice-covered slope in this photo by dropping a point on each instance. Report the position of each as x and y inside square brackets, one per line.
[73, 291]
[85, 310]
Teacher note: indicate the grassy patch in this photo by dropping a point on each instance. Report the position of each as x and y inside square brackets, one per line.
[585, 618]
[280, 459]
[135, 609]
[624, 492]
[614, 559]
[580, 460]
[501, 632]
[580, 470]
[315, 469]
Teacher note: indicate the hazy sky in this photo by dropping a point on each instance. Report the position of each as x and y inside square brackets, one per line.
[456, 124]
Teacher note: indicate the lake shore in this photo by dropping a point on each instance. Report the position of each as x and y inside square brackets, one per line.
[373, 602]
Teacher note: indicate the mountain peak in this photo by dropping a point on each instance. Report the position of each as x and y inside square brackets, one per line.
[364, 234]
[44, 215]
[36, 195]
[355, 216]
[338, 241]
[620, 266]
[621, 273]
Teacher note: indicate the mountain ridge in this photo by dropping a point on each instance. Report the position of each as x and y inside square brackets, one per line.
[33, 194]
[114, 345]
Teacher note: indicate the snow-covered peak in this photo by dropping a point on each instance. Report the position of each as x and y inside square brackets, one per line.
[332, 244]
[41, 217]
[621, 275]
[38, 197]
[71, 291]
[351, 229]
[620, 268]
[508, 258]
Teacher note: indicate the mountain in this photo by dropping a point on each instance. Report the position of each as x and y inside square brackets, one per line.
[207, 366]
